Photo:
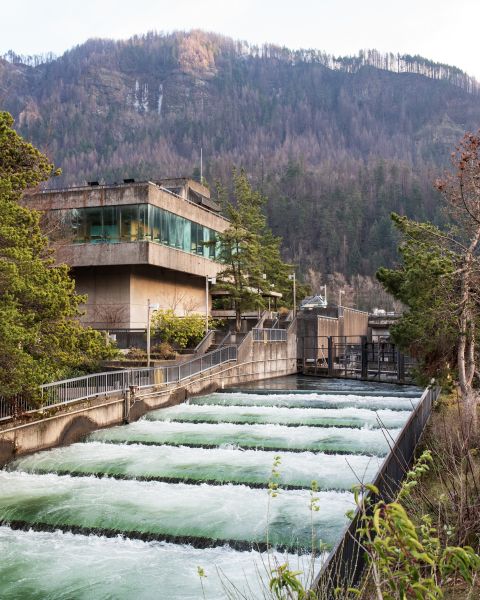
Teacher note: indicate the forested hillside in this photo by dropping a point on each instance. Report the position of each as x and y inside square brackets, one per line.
[336, 144]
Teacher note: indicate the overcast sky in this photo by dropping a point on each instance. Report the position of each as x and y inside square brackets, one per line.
[442, 30]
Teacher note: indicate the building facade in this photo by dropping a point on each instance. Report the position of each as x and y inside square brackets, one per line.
[344, 325]
[134, 242]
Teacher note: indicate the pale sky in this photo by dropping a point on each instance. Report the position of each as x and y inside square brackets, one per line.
[441, 30]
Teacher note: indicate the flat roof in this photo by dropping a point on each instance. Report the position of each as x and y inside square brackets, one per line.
[138, 192]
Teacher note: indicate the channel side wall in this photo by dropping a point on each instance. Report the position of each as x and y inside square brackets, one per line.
[66, 425]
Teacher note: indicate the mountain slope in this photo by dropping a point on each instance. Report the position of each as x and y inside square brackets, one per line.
[336, 144]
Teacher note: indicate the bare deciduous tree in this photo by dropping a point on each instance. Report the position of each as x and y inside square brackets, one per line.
[461, 190]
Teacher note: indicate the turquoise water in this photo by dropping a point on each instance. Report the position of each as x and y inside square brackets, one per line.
[220, 513]
[305, 399]
[274, 437]
[313, 417]
[66, 566]
[220, 465]
[134, 510]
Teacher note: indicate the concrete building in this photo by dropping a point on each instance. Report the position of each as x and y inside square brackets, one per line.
[379, 325]
[133, 242]
[315, 326]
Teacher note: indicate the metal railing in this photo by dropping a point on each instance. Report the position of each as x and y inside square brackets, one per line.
[66, 391]
[346, 562]
[269, 335]
[205, 343]
[354, 357]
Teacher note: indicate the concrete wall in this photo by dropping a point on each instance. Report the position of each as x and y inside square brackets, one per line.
[132, 193]
[327, 327]
[354, 322]
[315, 327]
[108, 291]
[118, 296]
[170, 289]
[189, 210]
[256, 361]
[136, 253]
[85, 197]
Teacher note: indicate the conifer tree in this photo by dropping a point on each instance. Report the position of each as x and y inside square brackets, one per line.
[42, 339]
[445, 264]
[249, 251]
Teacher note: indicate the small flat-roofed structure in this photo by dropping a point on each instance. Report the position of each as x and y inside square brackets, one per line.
[316, 325]
[133, 242]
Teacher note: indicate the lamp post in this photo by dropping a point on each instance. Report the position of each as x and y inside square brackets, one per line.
[293, 278]
[150, 309]
[213, 281]
[272, 285]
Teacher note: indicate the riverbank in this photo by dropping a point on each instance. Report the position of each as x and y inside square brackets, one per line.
[449, 493]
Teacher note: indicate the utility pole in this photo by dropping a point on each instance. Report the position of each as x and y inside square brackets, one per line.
[150, 308]
[213, 281]
[201, 166]
[294, 279]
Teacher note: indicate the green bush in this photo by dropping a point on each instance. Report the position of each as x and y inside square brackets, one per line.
[182, 332]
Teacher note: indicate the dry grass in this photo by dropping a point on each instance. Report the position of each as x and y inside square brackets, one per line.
[450, 492]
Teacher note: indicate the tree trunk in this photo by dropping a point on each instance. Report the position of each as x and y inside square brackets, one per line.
[238, 319]
[466, 343]
[470, 412]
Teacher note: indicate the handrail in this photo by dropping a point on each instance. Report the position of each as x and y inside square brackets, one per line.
[224, 339]
[67, 391]
[206, 338]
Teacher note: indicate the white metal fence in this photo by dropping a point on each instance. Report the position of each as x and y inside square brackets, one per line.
[102, 384]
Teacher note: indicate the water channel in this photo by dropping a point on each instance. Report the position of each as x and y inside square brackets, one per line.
[134, 510]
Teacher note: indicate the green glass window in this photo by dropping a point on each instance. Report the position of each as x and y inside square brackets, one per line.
[128, 223]
[138, 222]
[111, 231]
[94, 226]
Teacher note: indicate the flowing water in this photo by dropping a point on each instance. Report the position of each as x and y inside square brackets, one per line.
[197, 465]
[313, 417]
[338, 440]
[134, 510]
[307, 400]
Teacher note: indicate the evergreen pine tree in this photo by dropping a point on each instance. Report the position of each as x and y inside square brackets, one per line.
[42, 339]
[249, 251]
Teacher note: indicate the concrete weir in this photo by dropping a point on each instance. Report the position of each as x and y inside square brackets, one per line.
[65, 425]
[136, 508]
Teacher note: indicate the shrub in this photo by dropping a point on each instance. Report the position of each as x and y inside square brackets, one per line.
[136, 354]
[164, 351]
[182, 332]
